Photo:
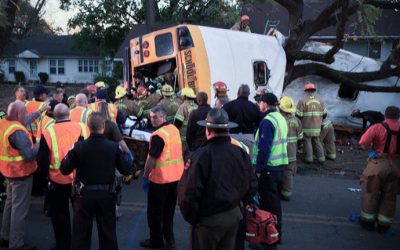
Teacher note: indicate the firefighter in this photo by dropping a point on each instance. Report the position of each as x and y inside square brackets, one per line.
[169, 103]
[380, 179]
[40, 96]
[126, 106]
[80, 113]
[55, 143]
[220, 90]
[295, 133]
[182, 116]
[328, 139]
[243, 25]
[147, 102]
[311, 111]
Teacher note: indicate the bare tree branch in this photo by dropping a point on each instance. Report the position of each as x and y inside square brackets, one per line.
[352, 79]
[394, 55]
[290, 5]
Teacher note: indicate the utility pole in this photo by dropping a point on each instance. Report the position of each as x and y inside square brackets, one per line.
[150, 15]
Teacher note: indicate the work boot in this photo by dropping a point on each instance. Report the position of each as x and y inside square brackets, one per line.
[367, 225]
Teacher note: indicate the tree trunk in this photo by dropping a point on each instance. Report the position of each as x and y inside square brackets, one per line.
[5, 32]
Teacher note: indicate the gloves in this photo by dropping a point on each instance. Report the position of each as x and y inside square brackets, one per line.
[145, 185]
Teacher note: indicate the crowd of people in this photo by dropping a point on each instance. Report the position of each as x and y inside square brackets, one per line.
[211, 161]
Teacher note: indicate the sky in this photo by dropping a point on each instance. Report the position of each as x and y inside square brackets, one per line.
[55, 16]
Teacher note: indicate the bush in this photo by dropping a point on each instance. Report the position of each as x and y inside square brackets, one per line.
[43, 76]
[112, 84]
[19, 76]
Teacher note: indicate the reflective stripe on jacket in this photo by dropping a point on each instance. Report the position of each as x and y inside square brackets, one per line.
[112, 110]
[169, 166]
[60, 138]
[32, 107]
[278, 155]
[44, 124]
[295, 133]
[311, 109]
[241, 145]
[12, 164]
[80, 114]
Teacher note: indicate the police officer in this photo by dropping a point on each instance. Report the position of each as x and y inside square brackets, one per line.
[95, 161]
[54, 146]
[169, 103]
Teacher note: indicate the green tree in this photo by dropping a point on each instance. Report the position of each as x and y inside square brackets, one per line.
[105, 23]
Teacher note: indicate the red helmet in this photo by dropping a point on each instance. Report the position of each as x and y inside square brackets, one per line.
[309, 87]
[220, 89]
[141, 91]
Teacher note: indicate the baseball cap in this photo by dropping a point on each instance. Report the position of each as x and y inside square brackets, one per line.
[270, 99]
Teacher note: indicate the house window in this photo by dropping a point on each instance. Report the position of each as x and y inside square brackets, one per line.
[375, 50]
[347, 92]
[11, 66]
[261, 73]
[57, 66]
[88, 65]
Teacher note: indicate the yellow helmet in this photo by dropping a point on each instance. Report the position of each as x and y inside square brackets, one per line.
[167, 90]
[120, 92]
[188, 92]
[100, 84]
[286, 104]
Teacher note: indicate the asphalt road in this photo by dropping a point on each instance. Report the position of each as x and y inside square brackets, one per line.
[316, 218]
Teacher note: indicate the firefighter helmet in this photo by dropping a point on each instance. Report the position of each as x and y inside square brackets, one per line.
[220, 89]
[141, 92]
[167, 90]
[120, 92]
[286, 104]
[309, 87]
[188, 92]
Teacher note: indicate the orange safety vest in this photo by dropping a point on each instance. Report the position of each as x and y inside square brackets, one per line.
[169, 166]
[240, 144]
[112, 110]
[60, 138]
[44, 124]
[80, 114]
[32, 107]
[12, 165]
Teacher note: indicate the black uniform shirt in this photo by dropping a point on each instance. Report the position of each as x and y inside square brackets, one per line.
[95, 161]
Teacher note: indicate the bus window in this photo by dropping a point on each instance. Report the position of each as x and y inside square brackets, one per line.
[261, 73]
[164, 45]
[184, 38]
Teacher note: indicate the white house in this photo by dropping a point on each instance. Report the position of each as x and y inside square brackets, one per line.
[54, 55]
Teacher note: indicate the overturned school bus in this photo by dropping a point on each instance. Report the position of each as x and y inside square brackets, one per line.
[198, 56]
